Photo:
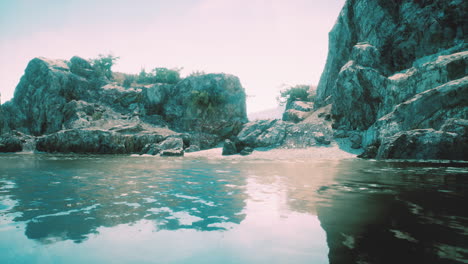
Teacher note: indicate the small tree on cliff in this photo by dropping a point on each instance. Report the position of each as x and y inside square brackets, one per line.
[294, 93]
[103, 65]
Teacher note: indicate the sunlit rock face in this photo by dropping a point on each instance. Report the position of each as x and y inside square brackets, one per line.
[42, 93]
[396, 66]
[67, 101]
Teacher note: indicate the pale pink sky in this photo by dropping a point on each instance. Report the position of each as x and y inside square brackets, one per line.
[266, 43]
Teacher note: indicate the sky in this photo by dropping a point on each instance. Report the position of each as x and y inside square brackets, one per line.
[266, 43]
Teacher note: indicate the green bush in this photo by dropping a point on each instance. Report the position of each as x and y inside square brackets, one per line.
[103, 65]
[197, 73]
[129, 79]
[159, 75]
[295, 93]
[207, 101]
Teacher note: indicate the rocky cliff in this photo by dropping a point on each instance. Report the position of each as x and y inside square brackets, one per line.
[68, 107]
[397, 72]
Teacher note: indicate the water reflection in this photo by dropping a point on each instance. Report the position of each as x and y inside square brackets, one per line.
[95, 209]
[70, 199]
[396, 213]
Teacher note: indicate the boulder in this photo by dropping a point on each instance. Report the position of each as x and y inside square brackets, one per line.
[171, 143]
[172, 146]
[263, 133]
[10, 143]
[424, 144]
[229, 148]
[203, 140]
[303, 135]
[150, 149]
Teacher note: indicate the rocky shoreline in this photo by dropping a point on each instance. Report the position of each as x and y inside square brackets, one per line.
[398, 89]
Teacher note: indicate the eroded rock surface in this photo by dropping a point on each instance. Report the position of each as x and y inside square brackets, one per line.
[394, 68]
[72, 109]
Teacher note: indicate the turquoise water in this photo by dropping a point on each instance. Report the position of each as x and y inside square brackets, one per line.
[125, 209]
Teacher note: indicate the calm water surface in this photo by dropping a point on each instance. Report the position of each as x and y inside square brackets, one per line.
[121, 209]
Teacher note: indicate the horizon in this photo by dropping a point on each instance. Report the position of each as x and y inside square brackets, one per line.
[267, 44]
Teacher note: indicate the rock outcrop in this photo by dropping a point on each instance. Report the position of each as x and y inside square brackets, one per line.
[71, 108]
[297, 111]
[95, 141]
[394, 68]
[10, 143]
[315, 130]
[424, 144]
[211, 103]
[263, 133]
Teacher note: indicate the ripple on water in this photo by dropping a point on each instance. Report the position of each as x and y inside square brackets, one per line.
[184, 218]
[195, 199]
[371, 188]
[69, 212]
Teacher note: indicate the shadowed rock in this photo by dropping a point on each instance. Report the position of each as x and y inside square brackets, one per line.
[406, 72]
[229, 148]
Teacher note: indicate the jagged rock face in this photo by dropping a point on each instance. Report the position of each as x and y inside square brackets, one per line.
[402, 31]
[384, 56]
[211, 103]
[78, 110]
[424, 144]
[429, 109]
[43, 91]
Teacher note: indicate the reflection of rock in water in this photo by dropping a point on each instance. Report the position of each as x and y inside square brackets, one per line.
[71, 198]
[402, 217]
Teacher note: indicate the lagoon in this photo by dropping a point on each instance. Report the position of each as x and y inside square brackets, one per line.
[137, 209]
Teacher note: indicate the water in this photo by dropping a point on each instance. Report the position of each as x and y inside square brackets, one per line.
[121, 209]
